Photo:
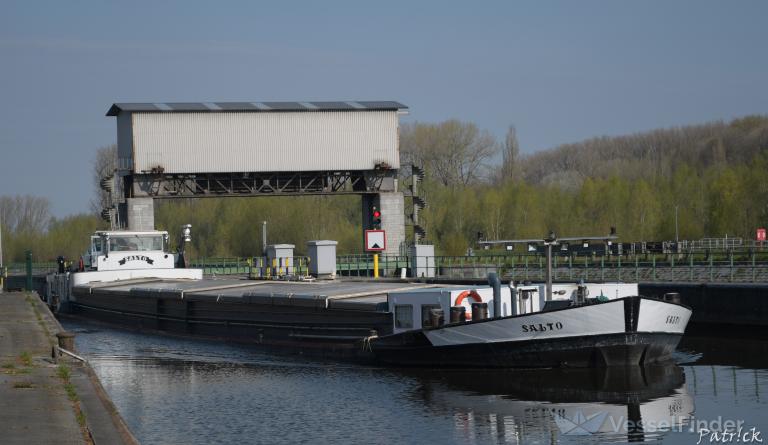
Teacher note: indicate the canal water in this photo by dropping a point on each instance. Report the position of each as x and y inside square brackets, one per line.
[174, 390]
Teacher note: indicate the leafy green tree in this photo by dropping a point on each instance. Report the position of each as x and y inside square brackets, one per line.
[726, 197]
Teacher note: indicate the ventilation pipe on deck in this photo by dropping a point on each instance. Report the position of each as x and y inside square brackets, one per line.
[495, 283]
[673, 297]
[513, 298]
[581, 293]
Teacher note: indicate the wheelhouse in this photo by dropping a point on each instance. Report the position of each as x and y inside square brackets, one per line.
[145, 249]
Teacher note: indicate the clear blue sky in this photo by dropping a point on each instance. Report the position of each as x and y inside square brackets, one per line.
[559, 71]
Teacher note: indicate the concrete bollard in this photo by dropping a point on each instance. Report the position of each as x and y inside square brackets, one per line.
[28, 258]
[66, 340]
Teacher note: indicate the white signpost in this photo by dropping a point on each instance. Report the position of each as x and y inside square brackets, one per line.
[375, 240]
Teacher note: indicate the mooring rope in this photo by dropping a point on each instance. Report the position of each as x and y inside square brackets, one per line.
[367, 342]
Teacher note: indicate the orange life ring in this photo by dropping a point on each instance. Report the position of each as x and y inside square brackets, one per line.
[471, 294]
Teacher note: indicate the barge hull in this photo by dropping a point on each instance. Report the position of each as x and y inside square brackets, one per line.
[627, 331]
[329, 319]
[318, 338]
[621, 349]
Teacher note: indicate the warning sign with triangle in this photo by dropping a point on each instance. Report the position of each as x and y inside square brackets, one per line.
[375, 240]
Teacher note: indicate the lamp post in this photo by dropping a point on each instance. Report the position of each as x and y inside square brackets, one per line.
[2, 275]
[1, 244]
[264, 238]
[677, 237]
[549, 242]
[184, 238]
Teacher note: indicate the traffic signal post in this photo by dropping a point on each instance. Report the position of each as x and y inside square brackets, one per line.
[384, 212]
[376, 218]
[375, 241]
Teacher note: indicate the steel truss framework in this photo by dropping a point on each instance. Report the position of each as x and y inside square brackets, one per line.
[159, 185]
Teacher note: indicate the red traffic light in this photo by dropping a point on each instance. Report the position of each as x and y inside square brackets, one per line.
[376, 214]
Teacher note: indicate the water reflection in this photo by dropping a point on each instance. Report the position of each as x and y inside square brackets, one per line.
[744, 352]
[609, 404]
[177, 390]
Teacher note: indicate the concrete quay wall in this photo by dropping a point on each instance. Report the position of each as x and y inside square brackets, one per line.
[739, 304]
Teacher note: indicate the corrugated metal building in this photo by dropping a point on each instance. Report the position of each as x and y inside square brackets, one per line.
[186, 138]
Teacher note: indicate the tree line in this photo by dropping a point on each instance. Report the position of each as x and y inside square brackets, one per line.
[710, 179]
[716, 202]
[27, 224]
[693, 182]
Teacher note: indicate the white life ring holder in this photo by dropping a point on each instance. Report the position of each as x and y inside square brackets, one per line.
[471, 294]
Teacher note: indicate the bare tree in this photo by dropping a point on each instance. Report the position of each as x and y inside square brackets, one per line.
[510, 153]
[30, 214]
[452, 151]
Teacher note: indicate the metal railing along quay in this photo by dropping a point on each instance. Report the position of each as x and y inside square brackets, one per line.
[361, 265]
[533, 268]
[39, 268]
[254, 267]
[737, 267]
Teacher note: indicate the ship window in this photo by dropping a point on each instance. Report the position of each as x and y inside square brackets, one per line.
[132, 243]
[404, 316]
[426, 319]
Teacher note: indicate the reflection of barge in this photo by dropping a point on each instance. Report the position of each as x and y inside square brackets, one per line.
[614, 404]
[132, 282]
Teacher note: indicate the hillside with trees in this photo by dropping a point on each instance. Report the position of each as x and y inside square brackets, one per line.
[650, 154]
[714, 176]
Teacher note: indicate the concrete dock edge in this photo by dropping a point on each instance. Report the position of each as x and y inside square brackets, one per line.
[28, 334]
[103, 420]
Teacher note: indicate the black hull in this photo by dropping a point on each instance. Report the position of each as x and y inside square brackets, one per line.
[287, 330]
[622, 349]
[363, 335]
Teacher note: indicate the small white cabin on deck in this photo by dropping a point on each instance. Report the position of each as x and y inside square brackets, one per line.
[411, 309]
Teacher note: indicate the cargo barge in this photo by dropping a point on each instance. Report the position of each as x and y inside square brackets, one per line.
[129, 279]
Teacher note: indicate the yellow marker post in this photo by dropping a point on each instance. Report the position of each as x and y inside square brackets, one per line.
[273, 268]
[375, 265]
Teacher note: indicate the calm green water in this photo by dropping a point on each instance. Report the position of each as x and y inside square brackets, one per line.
[182, 391]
